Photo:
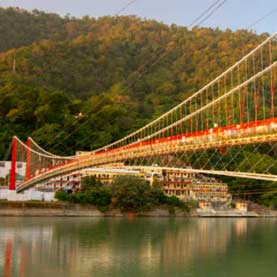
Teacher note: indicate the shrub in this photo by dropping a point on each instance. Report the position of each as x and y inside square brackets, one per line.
[61, 195]
[78, 197]
[174, 201]
[101, 197]
[88, 183]
[171, 210]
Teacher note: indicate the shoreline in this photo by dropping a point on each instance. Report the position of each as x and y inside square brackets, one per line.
[59, 209]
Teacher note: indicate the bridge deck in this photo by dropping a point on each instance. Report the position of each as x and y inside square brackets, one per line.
[204, 142]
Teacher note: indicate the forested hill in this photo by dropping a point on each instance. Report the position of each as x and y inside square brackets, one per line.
[21, 28]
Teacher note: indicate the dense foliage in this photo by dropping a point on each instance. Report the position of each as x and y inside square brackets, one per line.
[128, 193]
[93, 192]
[53, 68]
[133, 193]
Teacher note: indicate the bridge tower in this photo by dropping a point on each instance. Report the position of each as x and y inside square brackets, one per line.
[13, 166]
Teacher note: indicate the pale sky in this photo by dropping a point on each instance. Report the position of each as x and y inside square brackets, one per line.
[234, 14]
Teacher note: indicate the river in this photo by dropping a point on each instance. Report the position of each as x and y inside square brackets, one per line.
[137, 247]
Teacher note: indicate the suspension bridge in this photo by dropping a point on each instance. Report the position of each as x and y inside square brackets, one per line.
[211, 132]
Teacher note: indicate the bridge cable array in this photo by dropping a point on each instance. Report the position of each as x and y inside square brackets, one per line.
[154, 58]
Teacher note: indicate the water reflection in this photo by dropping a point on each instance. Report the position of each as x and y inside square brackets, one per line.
[119, 247]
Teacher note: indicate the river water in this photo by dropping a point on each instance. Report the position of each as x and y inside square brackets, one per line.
[138, 247]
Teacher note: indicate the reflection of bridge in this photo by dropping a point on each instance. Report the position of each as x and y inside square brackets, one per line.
[229, 127]
[30, 246]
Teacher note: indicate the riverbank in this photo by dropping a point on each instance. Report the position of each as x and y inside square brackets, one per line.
[60, 209]
[34, 208]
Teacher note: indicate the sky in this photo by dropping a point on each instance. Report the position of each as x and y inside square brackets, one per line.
[233, 14]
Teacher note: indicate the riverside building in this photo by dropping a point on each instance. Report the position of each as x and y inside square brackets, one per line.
[184, 185]
[5, 167]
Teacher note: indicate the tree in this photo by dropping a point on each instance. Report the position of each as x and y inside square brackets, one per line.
[131, 193]
[96, 193]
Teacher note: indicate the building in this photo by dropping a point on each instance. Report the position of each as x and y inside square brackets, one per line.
[205, 205]
[184, 185]
[177, 183]
[73, 180]
[211, 190]
[189, 186]
[106, 175]
[241, 206]
[5, 167]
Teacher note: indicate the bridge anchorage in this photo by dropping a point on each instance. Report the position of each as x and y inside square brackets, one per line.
[229, 127]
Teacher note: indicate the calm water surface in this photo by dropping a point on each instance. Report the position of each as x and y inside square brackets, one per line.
[140, 247]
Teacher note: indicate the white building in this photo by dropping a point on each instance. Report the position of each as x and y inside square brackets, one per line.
[5, 167]
[73, 180]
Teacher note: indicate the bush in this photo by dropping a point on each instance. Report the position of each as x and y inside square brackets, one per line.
[88, 183]
[174, 201]
[61, 195]
[192, 204]
[171, 210]
[269, 200]
[93, 192]
[78, 197]
[158, 195]
[100, 197]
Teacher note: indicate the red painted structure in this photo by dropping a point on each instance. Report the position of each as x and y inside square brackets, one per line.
[8, 259]
[238, 129]
[13, 165]
[203, 136]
